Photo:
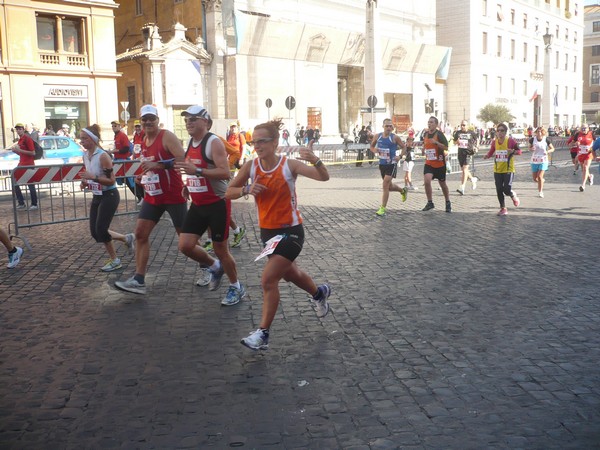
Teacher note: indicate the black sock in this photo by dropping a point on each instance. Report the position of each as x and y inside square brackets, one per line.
[264, 330]
[139, 278]
[14, 250]
[319, 294]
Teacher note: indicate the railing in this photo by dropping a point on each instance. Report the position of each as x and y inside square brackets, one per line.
[63, 59]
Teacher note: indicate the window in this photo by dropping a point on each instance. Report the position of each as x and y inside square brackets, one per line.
[557, 33]
[131, 98]
[512, 16]
[595, 75]
[566, 35]
[536, 28]
[525, 52]
[596, 26]
[499, 47]
[512, 49]
[566, 93]
[575, 63]
[595, 50]
[574, 37]
[536, 58]
[595, 97]
[525, 21]
[484, 43]
[499, 85]
[574, 94]
[566, 61]
[525, 88]
[499, 15]
[556, 60]
[485, 83]
[49, 30]
[484, 7]
[138, 8]
[513, 86]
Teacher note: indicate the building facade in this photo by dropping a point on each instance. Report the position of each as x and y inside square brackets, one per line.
[499, 57]
[264, 52]
[58, 65]
[591, 65]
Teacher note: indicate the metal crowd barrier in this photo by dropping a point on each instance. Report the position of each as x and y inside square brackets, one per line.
[60, 198]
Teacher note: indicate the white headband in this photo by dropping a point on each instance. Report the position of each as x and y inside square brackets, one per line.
[92, 135]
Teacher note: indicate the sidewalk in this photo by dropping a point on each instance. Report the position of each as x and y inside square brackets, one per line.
[447, 331]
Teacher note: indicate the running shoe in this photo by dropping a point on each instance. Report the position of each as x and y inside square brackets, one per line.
[237, 237]
[208, 246]
[234, 295]
[461, 191]
[14, 258]
[428, 206]
[111, 264]
[590, 179]
[503, 212]
[131, 285]
[130, 242]
[215, 279]
[204, 278]
[404, 194]
[257, 340]
[448, 206]
[21, 206]
[581, 188]
[413, 188]
[541, 194]
[515, 199]
[321, 305]
[474, 181]
[381, 211]
[33, 207]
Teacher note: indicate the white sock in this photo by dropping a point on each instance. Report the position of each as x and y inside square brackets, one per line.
[237, 230]
[216, 266]
[236, 284]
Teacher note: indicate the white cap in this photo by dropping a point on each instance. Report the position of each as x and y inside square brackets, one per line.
[64, 125]
[148, 109]
[197, 111]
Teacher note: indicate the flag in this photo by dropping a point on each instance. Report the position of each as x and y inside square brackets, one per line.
[534, 96]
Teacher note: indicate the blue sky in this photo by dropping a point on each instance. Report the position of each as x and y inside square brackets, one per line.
[591, 2]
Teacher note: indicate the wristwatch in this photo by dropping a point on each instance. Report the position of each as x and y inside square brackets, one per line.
[199, 171]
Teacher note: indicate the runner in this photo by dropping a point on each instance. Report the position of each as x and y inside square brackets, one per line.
[586, 153]
[387, 144]
[574, 148]
[208, 174]
[409, 162]
[540, 145]
[273, 184]
[435, 149]
[14, 252]
[467, 144]
[504, 150]
[163, 188]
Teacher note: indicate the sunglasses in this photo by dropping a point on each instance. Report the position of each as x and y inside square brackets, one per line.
[502, 130]
[149, 118]
[260, 141]
[190, 119]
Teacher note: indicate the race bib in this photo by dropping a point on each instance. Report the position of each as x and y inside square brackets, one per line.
[151, 183]
[384, 153]
[196, 184]
[584, 149]
[430, 154]
[463, 143]
[137, 149]
[502, 155]
[270, 246]
[95, 187]
[538, 159]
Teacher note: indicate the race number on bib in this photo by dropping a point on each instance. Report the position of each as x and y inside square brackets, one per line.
[463, 143]
[431, 154]
[502, 155]
[151, 183]
[270, 246]
[196, 184]
[384, 153]
[584, 149]
[95, 187]
[538, 159]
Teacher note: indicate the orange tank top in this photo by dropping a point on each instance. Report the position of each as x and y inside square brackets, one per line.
[277, 205]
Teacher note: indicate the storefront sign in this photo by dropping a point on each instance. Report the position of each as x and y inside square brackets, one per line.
[65, 92]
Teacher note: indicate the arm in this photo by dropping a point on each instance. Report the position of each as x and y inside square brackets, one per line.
[107, 178]
[173, 145]
[514, 145]
[491, 151]
[121, 145]
[373, 144]
[237, 187]
[29, 149]
[398, 140]
[318, 170]
[219, 157]
[550, 146]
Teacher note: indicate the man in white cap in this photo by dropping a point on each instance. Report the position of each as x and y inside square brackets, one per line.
[64, 131]
[208, 175]
[163, 187]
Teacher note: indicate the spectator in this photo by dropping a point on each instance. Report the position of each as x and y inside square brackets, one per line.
[49, 131]
[26, 150]
[64, 131]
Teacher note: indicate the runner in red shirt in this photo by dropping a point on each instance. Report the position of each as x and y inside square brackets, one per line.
[26, 151]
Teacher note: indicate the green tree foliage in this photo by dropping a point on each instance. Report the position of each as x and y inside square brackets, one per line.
[495, 114]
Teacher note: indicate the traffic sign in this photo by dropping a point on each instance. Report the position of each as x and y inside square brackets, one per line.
[290, 103]
[125, 105]
[372, 101]
[364, 110]
[125, 116]
[268, 103]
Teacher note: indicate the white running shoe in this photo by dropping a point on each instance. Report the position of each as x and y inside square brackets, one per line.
[591, 179]
[321, 306]
[474, 181]
[204, 278]
[257, 340]
[541, 194]
[131, 285]
[112, 264]
[14, 258]
[130, 243]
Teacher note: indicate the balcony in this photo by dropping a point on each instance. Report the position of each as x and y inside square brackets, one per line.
[63, 60]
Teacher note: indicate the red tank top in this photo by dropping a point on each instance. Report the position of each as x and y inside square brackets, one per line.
[163, 187]
[204, 191]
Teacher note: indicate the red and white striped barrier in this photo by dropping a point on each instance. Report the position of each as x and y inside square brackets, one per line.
[68, 172]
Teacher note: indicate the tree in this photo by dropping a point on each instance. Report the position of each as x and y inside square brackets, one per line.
[495, 114]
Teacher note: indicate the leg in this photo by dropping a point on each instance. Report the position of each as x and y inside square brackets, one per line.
[5, 239]
[274, 270]
[428, 190]
[188, 245]
[19, 195]
[227, 261]
[143, 229]
[499, 181]
[33, 192]
[301, 279]
[106, 210]
[445, 189]
[540, 180]
[387, 181]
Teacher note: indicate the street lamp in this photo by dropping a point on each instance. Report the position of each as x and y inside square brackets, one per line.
[547, 99]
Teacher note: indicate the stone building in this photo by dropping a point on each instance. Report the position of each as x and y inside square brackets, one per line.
[591, 65]
[58, 64]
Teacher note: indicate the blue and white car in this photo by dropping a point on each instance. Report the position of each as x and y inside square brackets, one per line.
[57, 150]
